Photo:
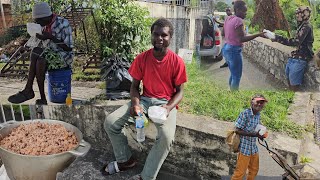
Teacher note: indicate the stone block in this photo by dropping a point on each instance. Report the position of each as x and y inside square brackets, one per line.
[272, 71]
[317, 76]
[278, 75]
[272, 52]
[276, 61]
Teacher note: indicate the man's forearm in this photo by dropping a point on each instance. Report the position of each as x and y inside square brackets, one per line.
[244, 133]
[175, 100]
[285, 41]
[249, 37]
[135, 97]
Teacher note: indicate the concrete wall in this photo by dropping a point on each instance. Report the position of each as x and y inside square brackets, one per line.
[199, 150]
[183, 19]
[274, 56]
[180, 37]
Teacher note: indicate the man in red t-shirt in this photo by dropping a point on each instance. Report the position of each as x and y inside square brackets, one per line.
[163, 74]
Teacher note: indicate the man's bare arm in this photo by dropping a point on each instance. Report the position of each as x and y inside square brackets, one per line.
[135, 97]
[244, 133]
[175, 100]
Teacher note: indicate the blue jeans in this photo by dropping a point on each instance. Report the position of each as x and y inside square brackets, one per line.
[233, 56]
[222, 51]
[295, 69]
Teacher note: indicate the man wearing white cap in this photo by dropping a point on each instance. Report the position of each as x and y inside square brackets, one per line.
[58, 31]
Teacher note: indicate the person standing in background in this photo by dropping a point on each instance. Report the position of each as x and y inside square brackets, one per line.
[229, 13]
[235, 36]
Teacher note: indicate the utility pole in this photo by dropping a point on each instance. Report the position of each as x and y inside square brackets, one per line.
[2, 14]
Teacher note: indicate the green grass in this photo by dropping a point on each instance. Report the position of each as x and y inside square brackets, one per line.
[88, 75]
[203, 97]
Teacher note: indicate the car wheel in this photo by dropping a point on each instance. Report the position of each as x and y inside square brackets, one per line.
[219, 57]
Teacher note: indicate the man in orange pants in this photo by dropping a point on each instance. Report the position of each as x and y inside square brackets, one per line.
[248, 157]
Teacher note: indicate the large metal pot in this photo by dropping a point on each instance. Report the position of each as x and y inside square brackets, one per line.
[27, 167]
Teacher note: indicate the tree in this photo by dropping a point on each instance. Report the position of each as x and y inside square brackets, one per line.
[221, 6]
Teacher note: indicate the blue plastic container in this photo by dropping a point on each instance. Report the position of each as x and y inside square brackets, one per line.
[59, 85]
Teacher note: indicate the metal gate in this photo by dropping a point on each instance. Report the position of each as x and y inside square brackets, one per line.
[10, 112]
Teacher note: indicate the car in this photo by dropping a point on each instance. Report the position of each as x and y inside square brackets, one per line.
[210, 39]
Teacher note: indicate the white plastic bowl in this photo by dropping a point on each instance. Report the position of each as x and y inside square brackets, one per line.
[33, 29]
[157, 114]
[269, 34]
[262, 129]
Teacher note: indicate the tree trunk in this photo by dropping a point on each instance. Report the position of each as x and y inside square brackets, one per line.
[269, 15]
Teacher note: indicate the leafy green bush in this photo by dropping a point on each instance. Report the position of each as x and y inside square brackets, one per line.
[289, 8]
[316, 21]
[254, 29]
[53, 60]
[125, 27]
[282, 33]
[93, 37]
[316, 42]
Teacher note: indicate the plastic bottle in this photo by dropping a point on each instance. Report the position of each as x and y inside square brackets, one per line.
[145, 119]
[141, 136]
[69, 100]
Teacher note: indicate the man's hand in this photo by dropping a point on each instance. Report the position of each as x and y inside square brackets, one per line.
[44, 36]
[134, 110]
[167, 108]
[259, 136]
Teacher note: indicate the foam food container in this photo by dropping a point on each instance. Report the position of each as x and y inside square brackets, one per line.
[157, 114]
[33, 29]
[262, 129]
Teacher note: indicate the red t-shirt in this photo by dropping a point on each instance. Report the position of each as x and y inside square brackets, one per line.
[159, 77]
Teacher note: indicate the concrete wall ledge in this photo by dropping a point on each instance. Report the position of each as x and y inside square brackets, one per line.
[199, 149]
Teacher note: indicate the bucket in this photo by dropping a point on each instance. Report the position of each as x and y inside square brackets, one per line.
[59, 85]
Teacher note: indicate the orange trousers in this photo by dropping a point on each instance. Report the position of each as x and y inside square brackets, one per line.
[244, 163]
